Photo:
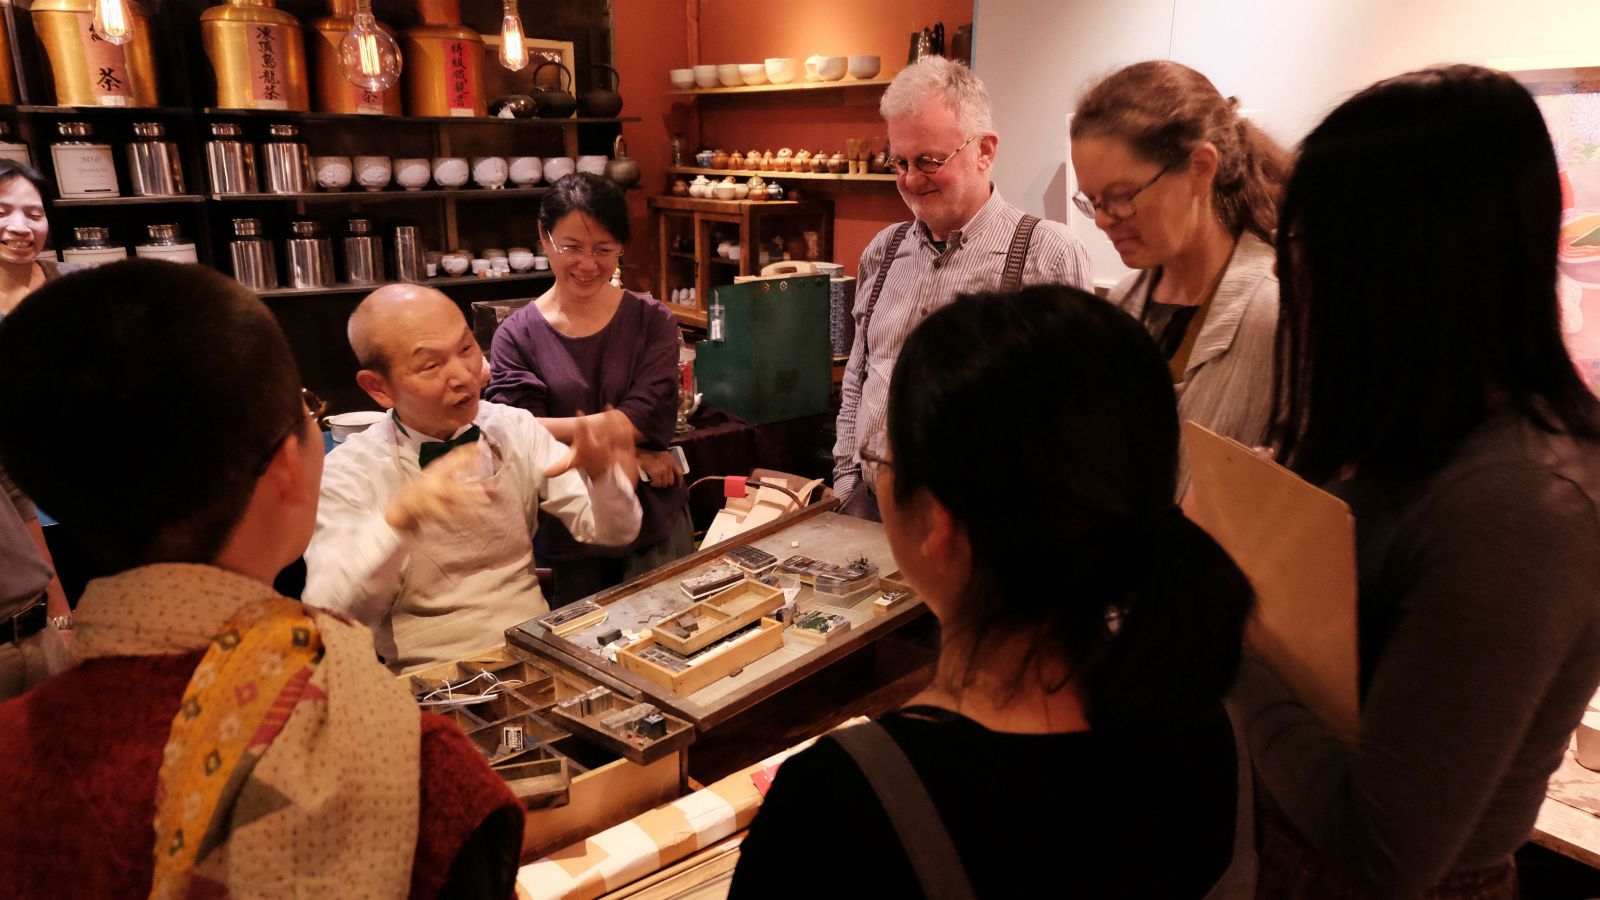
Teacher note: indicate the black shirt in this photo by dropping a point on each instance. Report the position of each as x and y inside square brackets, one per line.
[1133, 812]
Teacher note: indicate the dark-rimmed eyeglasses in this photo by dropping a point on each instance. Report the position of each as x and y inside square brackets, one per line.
[874, 455]
[315, 409]
[925, 164]
[1117, 206]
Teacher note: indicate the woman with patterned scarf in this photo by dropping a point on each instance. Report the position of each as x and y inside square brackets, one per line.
[215, 739]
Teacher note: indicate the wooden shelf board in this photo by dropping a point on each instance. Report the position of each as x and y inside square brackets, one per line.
[128, 201]
[474, 193]
[439, 120]
[781, 176]
[454, 281]
[688, 315]
[132, 111]
[844, 83]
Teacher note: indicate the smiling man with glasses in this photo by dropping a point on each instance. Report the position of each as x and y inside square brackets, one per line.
[964, 239]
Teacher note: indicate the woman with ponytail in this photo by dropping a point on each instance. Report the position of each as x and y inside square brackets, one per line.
[1187, 190]
[1088, 635]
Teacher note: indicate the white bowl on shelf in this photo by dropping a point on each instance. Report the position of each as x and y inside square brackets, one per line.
[373, 172]
[753, 73]
[333, 172]
[826, 68]
[705, 76]
[525, 171]
[412, 173]
[728, 74]
[558, 167]
[865, 67]
[682, 79]
[593, 165]
[451, 171]
[782, 69]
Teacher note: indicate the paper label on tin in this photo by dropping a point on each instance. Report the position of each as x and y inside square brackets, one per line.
[85, 170]
[108, 66]
[365, 102]
[458, 73]
[268, 87]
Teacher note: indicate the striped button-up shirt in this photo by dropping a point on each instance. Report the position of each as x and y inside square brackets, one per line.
[921, 280]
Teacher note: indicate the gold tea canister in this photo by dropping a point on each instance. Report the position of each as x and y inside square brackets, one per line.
[444, 63]
[334, 92]
[89, 70]
[258, 54]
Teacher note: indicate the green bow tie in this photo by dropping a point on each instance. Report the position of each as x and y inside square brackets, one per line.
[432, 450]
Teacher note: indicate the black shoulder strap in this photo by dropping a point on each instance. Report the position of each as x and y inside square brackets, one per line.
[916, 820]
[895, 240]
[1017, 255]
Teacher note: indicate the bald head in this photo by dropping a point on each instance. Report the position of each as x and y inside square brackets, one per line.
[388, 315]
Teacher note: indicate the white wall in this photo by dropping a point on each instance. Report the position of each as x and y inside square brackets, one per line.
[1289, 61]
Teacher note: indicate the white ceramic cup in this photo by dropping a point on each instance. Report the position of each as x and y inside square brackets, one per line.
[558, 167]
[450, 171]
[705, 76]
[728, 75]
[541, 262]
[725, 191]
[455, 263]
[481, 266]
[489, 172]
[865, 67]
[412, 173]
[594, 165]
[432, 268]
[682, 79]
[825, 68]
[525, 171]
[373, 172]
[520, 258]
[333, 172]
[782, 69]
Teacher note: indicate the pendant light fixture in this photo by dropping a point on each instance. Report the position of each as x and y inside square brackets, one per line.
[368, 56]
[112, 21]
[513, 46]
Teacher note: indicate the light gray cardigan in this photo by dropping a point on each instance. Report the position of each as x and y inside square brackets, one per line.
[1227, 386]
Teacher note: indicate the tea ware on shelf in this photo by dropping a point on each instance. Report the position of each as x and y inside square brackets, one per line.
[450, 171]
[333, 173]
[412, 174]
[525, 171]
[489, 172]
[373, 172]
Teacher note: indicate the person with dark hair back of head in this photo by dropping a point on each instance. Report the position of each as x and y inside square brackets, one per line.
[1187, 190]
[31, 596]
[585, 346]
[1425, 381]
[427, 523]
[1088, 633]
[256, 742]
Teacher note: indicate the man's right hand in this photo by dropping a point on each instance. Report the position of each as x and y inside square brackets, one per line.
[442, 493]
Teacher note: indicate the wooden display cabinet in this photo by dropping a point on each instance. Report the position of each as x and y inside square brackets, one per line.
[688, 230]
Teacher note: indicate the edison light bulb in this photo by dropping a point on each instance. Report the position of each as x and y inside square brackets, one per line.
[513, 48]
[112, 21]
[368, 56]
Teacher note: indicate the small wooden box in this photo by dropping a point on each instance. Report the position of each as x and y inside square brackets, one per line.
[720, 616]
[882, 605]
[702, 672]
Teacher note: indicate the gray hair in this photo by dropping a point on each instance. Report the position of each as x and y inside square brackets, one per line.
[939, 77]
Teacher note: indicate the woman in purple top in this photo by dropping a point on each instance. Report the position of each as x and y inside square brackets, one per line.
[585, 346]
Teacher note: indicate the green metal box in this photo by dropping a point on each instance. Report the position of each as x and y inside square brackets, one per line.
[774, 361]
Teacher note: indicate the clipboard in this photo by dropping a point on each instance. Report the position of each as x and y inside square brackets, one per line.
[1296, 543]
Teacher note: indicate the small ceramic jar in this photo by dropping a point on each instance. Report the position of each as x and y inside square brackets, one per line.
[774, 191]
[758, 193]
[836, 164]
[703, 158]
[736, 160]
[373, 172]
[719, 159]
[700, 187]
[752, 160]
[520, 259]
[801, 161]
[489, 172]
[680, 188]
[411, 174]
[525, 171]
[766, 161]
[456, 262]
[819, 161]
[451, 171]
[333, 172]
[741, 191]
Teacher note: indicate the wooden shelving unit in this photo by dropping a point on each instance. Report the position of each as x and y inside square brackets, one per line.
[128, 201]
[782, 176]
[442, 282]
[388, 194]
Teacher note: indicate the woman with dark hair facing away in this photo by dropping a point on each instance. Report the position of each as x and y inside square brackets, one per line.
[1089, 634]
[586, 347]
[1187, 190]
[1425, 381]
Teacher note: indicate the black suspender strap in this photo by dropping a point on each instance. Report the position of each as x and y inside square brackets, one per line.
[916, 820]
[1017, 255]
[895, 240]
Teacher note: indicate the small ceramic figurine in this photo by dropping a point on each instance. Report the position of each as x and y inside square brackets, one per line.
[680, 188]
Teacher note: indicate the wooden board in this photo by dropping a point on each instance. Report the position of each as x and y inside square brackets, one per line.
[720, 616]
[818, 531]
[1297, 545]
[767, 637]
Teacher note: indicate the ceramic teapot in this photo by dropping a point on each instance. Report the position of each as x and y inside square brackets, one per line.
[700, 187]
[601, 103]
[622, 170]
[558, 103]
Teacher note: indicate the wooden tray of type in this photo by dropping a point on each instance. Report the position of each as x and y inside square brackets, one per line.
[737, 607]
[639, 604]
[605, 717]
[704, 667]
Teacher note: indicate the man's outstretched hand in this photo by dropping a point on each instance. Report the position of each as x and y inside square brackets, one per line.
[599, 442]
